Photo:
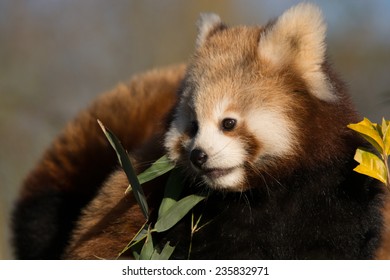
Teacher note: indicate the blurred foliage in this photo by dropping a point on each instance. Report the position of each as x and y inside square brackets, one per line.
[56, 56]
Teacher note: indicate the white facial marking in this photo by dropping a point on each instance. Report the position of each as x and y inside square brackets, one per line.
[273, 130]
[231, 180]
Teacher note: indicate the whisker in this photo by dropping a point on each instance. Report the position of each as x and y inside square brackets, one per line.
[247, 202]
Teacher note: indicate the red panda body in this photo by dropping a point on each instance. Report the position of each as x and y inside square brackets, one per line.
[257, 122]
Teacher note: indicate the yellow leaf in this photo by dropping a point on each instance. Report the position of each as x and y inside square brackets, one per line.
[369, 131]
[386, 136]
[370, 165]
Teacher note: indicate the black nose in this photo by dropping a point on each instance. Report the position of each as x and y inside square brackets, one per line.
[198, 157]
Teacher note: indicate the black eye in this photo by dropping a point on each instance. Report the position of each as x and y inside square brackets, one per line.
[228, 124]
[193, 129]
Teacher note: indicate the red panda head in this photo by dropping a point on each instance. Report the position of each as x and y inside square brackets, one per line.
[248, 96]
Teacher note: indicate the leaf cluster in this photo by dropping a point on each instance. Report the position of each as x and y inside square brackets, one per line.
[370, 164]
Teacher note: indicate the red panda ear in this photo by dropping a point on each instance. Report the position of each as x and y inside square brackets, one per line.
[207, 24]
[297, 39]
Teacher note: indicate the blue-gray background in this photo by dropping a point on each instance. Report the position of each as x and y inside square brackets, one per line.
[57, 55]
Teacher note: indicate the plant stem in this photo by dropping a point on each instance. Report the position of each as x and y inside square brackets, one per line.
[386, 161]
[192, 235]
[132, 241]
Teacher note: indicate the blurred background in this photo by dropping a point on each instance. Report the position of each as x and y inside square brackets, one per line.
[57, 55]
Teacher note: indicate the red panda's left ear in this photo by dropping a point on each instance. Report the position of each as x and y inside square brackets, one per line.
[207, 24]
[297, 39]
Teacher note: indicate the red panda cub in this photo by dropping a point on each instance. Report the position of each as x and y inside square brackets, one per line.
[256, 121]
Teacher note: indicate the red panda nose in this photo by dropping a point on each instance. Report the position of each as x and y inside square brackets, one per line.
[198, 157]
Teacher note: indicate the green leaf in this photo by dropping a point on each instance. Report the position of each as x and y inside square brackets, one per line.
[172, 192]
[165, 254]
[158, 168]
[148, 249]
[370, 165]
[386, 136]
[176, 212]
[136, 255]
[369, 131]
[128, 169]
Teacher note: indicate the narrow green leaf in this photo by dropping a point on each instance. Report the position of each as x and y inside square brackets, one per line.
[128, 169]
[148, 249]
[158, 168]
[165, 254]
[369, 131]
[370, 165]
[172, 192]
[176, 212]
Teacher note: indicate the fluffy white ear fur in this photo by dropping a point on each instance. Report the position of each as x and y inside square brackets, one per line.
[297, 38]
[206, 23]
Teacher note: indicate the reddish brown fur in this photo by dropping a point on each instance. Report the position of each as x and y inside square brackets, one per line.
[258, 82]
[120, 110]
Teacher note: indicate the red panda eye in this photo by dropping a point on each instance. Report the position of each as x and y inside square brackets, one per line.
[228, 124]
[193, 129]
